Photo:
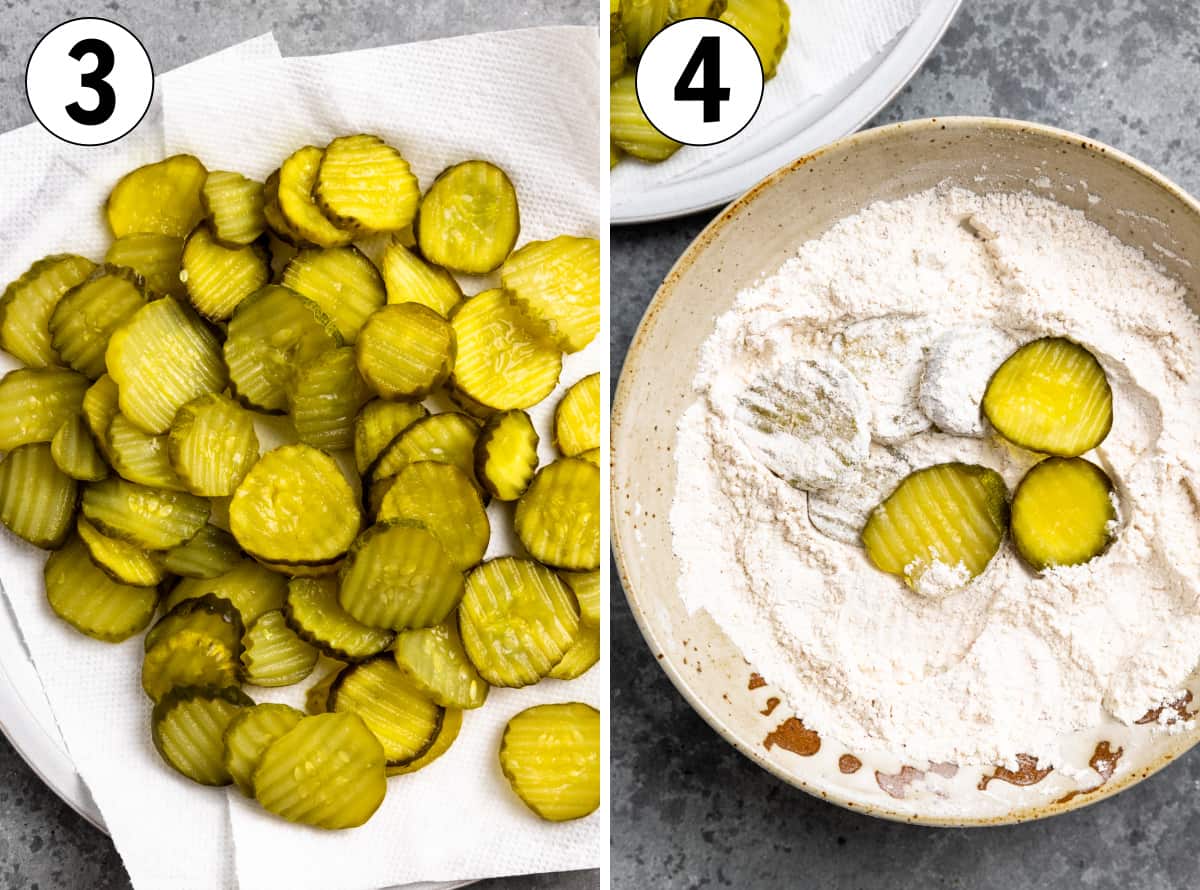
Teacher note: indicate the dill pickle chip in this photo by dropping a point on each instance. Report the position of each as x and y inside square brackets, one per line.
[313, 611]
[469, 220]
[678, 10]
[506, 454]
[766, 24]
[550, 755]
[123, 562]
[365, 185]
[90, 601]
[274, 655]
[153, 518]
[76, 453]
[378, 423]
[156, 259]
[617, 53]
[629, 127]
[234, 207]
[405, 351]
[212, 444]
[940, 527]
[501, 362]
[1052, 396]
[293, 191]
[586, 587]
[640, 21]
[410, 279]
[210, 615]
[583, 655]
[188, 729]
[37, 499]
[446, 501]
[322, 752]
[248, 736]
[577, 418]
[556, 284]
[85, 319]
[405, 721]
[141, 457]
[1063, 513]
[592, 456]
[446, 438]
[324, 396]
[161, 198]
[958, 368]
[558, 516]
[209, 553]
[36, 402]
[342, 281]
[100, 406]
[517, 621]
[219, 278]
[251, 587]
[316, 699]
[187, 658]
[839, 513]
[276, 222]
[476, 409]
[28, 302]
[452, 722]
[435, 662]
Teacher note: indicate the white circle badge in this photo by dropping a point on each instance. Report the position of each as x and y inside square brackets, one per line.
[699, 81]
[89, 81]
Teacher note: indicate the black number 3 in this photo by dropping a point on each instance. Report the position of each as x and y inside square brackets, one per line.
[710, 91]
[106, 99]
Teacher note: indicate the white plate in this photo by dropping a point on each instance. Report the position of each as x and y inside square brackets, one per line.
[834, 115]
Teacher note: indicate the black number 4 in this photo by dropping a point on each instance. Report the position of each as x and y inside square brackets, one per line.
[106, 99]
[710, 91]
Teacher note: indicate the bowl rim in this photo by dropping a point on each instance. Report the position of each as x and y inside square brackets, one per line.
[622, 396]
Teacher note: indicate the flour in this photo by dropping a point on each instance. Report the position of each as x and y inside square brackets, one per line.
[1013, 661]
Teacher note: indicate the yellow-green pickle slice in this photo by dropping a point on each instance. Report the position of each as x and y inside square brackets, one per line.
[36, 402]
[188, 658]
[293, 189]
[234, 207]
[581, 657]
[556, 284]
[401, 716]
[141, 457]
[153, 518]
[452, 721]
[443, 499]
[324, 397]
[37, 499]
[434, 660]
[405, 351]
[157, 259]
[1063, 513]
[90, 601]
[120, 560]
[586, 587]
[365, 185]
[75, 451]
[188, 728]
[84, 320]
[445, 438]
[577, 418]
[161, 198]
[558, 517]
[209, 553]
[631, 130]
[210, 615]
[506, 454]
[218, 278]
[640, 21]
[212, 445]
[28, 302]
[409, 279]
[378, 423]
[248, 736]
[274, 655]
[551, 756]
[766, 24]
[468, 220]
[342, 281]
[251, 587]
[312, 610]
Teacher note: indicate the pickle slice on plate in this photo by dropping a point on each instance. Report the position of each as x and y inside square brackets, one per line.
[312, 610]
[405, 351]
[586, 587]
[446, 438]
[209, 553]
[434, 660]
[234, 207]
[90, 601]
[76, 453]
[583, 655]
[248, 736]
[152, 518]
[410, 279]
[100, 406]
[452, 721]
[187, 658]
[506, 454]
[550, 755]
[293, 192]
[28, 303]
[212, 445]
[157, 259]
[678, 10]
[404, 720]
[940, 528]
[517, 621]
[365, 185]
[316, 699]
[378, 423]
[556, 284]
[631, 131]
[443, 499]
[468, 220]
[766, 24]
[558, 517]
[577, 417]
[592, 456]
[210, 615]
[957, 370]
[36, 402]
[640, 21]
[141, 457]
[276, 222]
[342, 281]
[839, 513]
[84, 320]
[188, 728]
[219, 278]
[37, 499]
[324, 396]
[161, 198]
[252, 588]
[120, 560]
[274, 655]
[1063, 513]
[1051, 395]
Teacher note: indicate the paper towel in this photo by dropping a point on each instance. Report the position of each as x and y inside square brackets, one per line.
[528, 101]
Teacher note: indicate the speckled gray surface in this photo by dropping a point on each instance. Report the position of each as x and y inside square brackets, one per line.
[44, 845]
[689, 812]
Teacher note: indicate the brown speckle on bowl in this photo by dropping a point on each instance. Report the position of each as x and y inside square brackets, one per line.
[792, 735]
[849, 764]
[1026, 773]
[772, 704]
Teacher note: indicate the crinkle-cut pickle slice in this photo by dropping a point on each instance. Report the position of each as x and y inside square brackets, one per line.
[75, 451]
[400, 715]
[234, 207]
[840, 513]
[298, 772]
[188, 728]
[766, 24]
[342, 281]
[187, 658]
[90, 601]
[295, 506]
[37, 499]
[293, 192]
[248, 736]
[212, 445]
[952, 514]
[365, 185]
[517, 621]
[252, 588]
[405, 351]
[577, 417]
[640, 21]
[219, 278]
[469, 220]
[398, 576]
[506, 454]
[617, 54]
[157, 259]
[378, 423]
[276, 222]
[316, 699]
[550, 755]
[586, 587]
[312, 610]
[152, 518]
[209, 553]
[28, 302]
[1063, 513]
[558, 517]
[446, 501]
[82, 324]
[410, 279]
[629, 127]
[583, 655]
[592, 456]
[447, 438]
[324, 397]
[161, 198]
[452, 721]
[100, 406]
[141, 457]
[270, 335]
[161, 358]
[556, 284]
[434, 660]
[958, 368]
[36, 402]
[1052, 396]
[678, 10]
[210, 615]
[274, 654]
[120, 560]
[502, 363]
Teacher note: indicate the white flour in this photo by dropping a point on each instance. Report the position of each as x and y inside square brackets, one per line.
[1014, 660]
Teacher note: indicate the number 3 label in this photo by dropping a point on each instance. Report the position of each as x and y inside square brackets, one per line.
[89, 81]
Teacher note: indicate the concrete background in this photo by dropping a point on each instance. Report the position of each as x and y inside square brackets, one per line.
[44, 845]
[689, 812]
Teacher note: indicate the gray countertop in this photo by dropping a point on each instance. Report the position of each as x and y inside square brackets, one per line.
[689, 812]
[44, 845]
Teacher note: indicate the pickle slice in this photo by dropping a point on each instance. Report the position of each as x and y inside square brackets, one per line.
[435, 662]
[187, 658]
[324, 397]
[141, 457]
[409, 279]
[219, 278]
[501, 363]
[581, 657]
[452, 721]
[405, 351]
[1063, 513]
[188, 728]
[274, 655]
[442, 498]
[586, 587]
[1051, 395]
[558, 517]
[161, 198]
[37, 499]
[152, 518]
[210, 615]
[839, 513]
[556, 283]
[640, 21]
[90, 601]
[207, 554]
[212, 445]
[469, 220]
[765, 23]
[75, 451]
[506, 455]
[293, 191]
[84, 320]
[312, 610]
[341, 281]
[120, 560]
[617, 54]
[316, 699]
[234, 207]
[517, 621]
[323, 752]
[957, 371]
[404, 720]
[156, 259]
[248, 736]
[446, 438]
[295, 506]
[276, 222]
[378, 423]
[631, 131]
[592, 456]
[252, 588]
[28, 303]
[577, 417]
[365, 185]
[551, 756]
[36, 402]
[161, 359]
[940, 527]
[100, 406]
[678, 10]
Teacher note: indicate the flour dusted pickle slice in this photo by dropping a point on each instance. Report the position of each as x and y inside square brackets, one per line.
[1063, 513]
[28, 302]
[469, 219]
[766, 24]
[90, 601]
[809, 422]
[558, 517]
[161, 198]
[218, 277]
[550, 755]
[1051, 395]
[940, 527]
[365, 185]
[840, 513]
[957, 370]
[234, 207]
[188, 728]
[506, 454]
[248, 736]
[631, 131]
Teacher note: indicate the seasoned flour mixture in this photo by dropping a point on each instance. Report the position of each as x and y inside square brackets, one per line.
[920, 300]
